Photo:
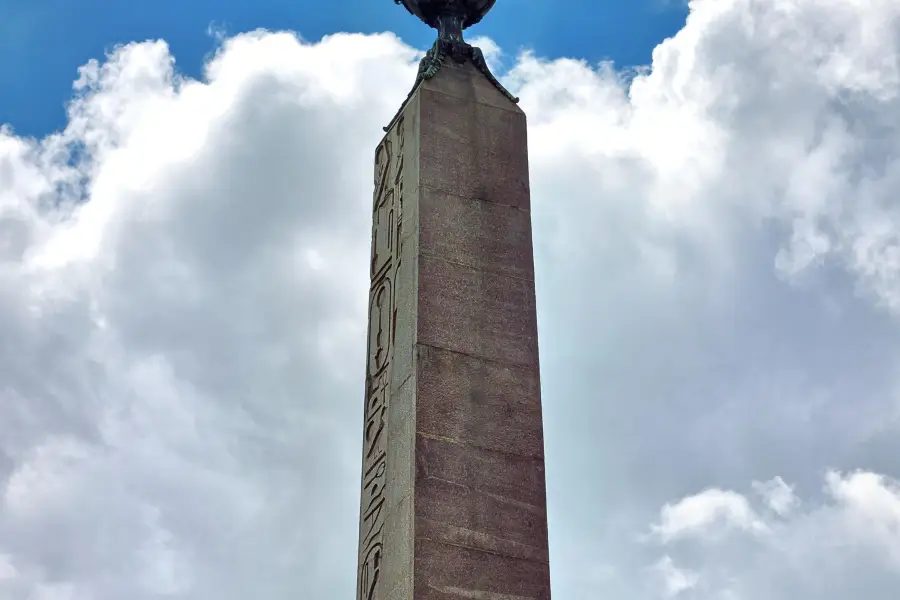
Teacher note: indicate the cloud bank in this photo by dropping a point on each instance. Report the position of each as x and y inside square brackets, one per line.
[182, 314]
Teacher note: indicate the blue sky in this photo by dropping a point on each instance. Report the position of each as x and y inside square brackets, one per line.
[43, 42]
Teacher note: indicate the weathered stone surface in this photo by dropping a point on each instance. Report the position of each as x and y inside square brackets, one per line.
[476, 312]
[493, 405]
[518, 480]
[465, 82]
[447, 572]
[453, 356]
[483, 235]
[398, 560]
[472, 150]
[496, 497]
[455, 535]
[387, 498]
[401, 454]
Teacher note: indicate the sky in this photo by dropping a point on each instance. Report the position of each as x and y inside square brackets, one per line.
[43, 42]
[184, 243]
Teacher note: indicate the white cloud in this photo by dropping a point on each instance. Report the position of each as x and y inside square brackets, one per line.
[675, 580]
[857, 523]
[171, 346]
[182, 290]
[777, 495]
[707, 514]
[868, 507]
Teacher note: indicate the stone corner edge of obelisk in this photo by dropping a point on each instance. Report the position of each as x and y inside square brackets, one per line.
[467, 81]
[462, 80]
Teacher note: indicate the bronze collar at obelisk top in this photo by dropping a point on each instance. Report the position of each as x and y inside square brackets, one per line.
[450, 18]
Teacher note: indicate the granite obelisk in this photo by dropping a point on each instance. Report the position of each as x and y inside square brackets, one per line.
[453, 500]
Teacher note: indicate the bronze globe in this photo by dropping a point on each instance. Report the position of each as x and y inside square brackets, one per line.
[471, 11]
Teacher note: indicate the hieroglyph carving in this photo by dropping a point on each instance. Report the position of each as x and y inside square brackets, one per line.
[386, 232]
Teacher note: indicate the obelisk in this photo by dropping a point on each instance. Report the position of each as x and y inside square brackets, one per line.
[453, 500]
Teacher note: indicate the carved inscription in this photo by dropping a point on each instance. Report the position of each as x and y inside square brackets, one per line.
[386, 229]
[380, 326]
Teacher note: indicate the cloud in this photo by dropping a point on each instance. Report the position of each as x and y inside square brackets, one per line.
[179, 296]
[675, 580]
[869, 508]
[699, 515]
[854, 527]
[183, 292]
[778, 496]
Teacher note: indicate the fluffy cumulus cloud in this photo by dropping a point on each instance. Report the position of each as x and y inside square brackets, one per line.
[183, 291]
[846, 543]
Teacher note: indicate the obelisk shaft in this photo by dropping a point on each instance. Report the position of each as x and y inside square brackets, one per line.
[453, 501]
